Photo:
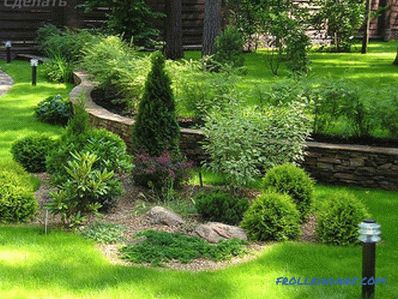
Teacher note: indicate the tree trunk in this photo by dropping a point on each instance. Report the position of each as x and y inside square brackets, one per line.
[212, 25]
[174, 48]
[365, 40]
[396, 59]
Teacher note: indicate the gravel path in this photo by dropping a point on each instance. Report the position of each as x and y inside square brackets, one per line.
[5, 83]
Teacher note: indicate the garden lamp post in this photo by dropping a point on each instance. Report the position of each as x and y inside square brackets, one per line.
[34, 63]
[369, 235]
[8, 46]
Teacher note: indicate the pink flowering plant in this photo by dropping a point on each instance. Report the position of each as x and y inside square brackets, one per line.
[159, 173]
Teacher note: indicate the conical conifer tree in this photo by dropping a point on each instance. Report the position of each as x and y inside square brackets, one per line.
[156, 129]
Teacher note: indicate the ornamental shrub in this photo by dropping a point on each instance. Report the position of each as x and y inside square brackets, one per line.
[343, 18]
[54, 110]
[31, 152]
[58, 69]
[242, 143]
[339, 217]
[85, 190]
[229, 48]
[160, 173]
[293, 181]
[272, 217]
[156, 129]
[17, 202]
[221, 206]
[109, 148]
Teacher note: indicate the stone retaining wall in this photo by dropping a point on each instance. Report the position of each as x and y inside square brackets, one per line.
[331, 163]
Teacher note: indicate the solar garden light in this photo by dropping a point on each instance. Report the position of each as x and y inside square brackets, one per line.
[8, 46]
[369, 235]
[34, 63]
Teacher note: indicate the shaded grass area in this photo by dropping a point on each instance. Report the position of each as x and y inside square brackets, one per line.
[17, 106]
[63, 265]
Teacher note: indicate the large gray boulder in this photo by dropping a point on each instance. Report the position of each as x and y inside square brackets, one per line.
[215, 232]
[160, 215]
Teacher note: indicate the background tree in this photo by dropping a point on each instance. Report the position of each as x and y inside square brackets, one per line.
[365, 39]
[174, 45]
[133, 19]
[212, 25]
[156, 129]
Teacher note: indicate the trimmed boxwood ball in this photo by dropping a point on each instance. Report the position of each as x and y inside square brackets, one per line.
[339, 217]
[221, 206]
[17, 202]
[294, 181]
[272, 217]
[31, 152]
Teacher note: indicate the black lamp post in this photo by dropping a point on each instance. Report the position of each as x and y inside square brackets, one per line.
[34, 63]
[369, 232]
[8, 46]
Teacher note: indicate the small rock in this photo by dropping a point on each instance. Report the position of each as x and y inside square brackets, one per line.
[215, 232]
[160, 215]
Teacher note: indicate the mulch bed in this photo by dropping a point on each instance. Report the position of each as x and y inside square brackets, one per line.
[125, 214]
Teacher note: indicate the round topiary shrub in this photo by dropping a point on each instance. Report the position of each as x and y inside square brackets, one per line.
[31, 152]
[220, 206]
[293, 181]
[17, 202]
[272, 217]
[339, 217]
[54, 110]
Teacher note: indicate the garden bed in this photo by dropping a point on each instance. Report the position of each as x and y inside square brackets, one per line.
[367, 166]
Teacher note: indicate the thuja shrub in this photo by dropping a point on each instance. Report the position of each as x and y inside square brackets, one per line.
[31, 152]
[293, 181]
[272, 217]
[156, 129]
[339, 217]
[17, 201]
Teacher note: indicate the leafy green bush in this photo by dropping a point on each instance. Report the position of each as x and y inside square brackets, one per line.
[109, 148]
[116, 66]
[67, 44]
[159, 247]
[54, 110]
[156, 129]
[293, 181]
[31, 152]
[58, 69]
[104, 233]
[220, 206]
[134, 20]
[297, 45]
[272, 217]
[85, 191]
[259, 139]
[199, 92]
[17, 202]
[229, 48]
[339, 217]
[335, 101]
[343, 18]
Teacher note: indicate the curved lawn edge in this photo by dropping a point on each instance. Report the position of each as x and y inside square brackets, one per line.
[6, 82]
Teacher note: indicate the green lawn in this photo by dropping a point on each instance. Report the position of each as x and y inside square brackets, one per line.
[63, 265]
[16, 107]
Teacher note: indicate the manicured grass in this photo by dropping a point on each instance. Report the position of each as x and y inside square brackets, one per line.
[63, 265]
[16, 107]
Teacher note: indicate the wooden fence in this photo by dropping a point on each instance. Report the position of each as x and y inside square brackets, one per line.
[20, 19]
